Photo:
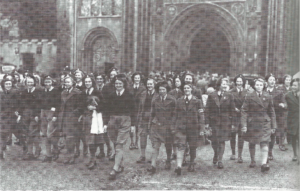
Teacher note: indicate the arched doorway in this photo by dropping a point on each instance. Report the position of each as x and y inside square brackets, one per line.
[100, 46]
[204, 36]
[209, 51]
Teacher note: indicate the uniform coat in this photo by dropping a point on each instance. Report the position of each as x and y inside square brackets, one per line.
[138, 96]
[219, 114]
[239, 99]
[277, 98]
[176, 93]
[189, 121]
[162, 117]
[293, 113]
[70, 110]
[258, 116]
[7, 110]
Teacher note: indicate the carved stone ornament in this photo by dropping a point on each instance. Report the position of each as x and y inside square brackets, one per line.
[172, 10]
[237, 9]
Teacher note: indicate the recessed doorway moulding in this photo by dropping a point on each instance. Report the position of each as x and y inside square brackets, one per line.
[88, 41]
[176, 32]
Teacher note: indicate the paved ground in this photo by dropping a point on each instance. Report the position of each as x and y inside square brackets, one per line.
[20, 175]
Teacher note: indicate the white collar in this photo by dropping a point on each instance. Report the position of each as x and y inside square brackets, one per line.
[100, 87]
[164, 98]
[258, 93]
[50, 89]
[151, 92]
[270, 89]
[121, 92]
[239, 89]
[79, 84]
[32, 90]
[69, 90]
[220, 93]
[189, 97]
[136, 86]
[90, 91]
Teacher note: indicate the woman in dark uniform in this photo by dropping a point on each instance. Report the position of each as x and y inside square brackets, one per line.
[238, 92]
[219, 113]
[79, 75]
[30, 111]
[7, 112]
[278, 103]
[94, 120]
[70, 112]
[162, 117]
[189, 125]
[259, 122]
[139, 92]
[292, 100]
[120, 105]
[50, 104]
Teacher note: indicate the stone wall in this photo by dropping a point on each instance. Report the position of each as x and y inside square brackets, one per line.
[44, 61]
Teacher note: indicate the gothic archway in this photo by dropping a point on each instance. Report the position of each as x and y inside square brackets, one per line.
[99, 46]
[186, 26]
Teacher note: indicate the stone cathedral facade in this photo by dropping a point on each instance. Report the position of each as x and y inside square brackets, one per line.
[219, 36]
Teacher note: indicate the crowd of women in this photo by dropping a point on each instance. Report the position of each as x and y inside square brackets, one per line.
[108, 110]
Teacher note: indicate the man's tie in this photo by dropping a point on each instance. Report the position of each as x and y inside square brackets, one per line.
[220, 96]
[240, 92]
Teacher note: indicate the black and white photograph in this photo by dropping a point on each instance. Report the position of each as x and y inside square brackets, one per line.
[149, 95]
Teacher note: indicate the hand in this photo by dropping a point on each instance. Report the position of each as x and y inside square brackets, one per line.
[201, 133]
[237, 110]
[17, 113]
[105, 128]
[79, 119]
[54, 119]
[244, 129]
[232, 128]
[90, 107]
[36, 118]
[132, 129]
[273, 131]
[281, 105]
[19, 118]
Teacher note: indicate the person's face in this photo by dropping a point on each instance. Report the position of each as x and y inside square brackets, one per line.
[187, 90]
[177, 82]
[113, 74]
[78, 76]
[17, 78]
[99, 80]
[88, 82]
[137, 79]
[224, 86]
[239, 82]
[287, 81]
[157, 76]
[259, 86]
[150, 85]
[188, 78]
[271, 81]
[162, 91]
[9, 77]
[48, 83]
[68, 83]
[29, 83]
[62, 77]
[151, 75]
[119, 85]
[8, 85]
[295, 87]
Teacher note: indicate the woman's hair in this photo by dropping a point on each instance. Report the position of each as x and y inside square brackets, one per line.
[48, 77]
[219, 82]
[258, 80]
[122, 78]
[29, 76]
[3, 82]
[270, 75]
[102, 75]
[135, 74]
[240, 76]
[162, 84]
[295, 80]
[92, 79]
[69, 76]
[174, 79]
[285, 77]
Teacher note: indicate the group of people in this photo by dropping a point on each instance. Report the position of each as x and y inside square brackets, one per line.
[108, 110]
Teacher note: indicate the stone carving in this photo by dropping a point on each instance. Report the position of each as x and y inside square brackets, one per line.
[9, 28]
[251, 5]
[172, 10]
[96, 8]
[103, 51]
[237, 9]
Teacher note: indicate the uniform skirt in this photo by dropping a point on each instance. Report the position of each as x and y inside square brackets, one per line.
[118, 129]
[91, 139]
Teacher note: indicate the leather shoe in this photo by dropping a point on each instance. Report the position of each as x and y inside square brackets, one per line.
[240, 160]
[112, 175]
[174, 157]
[178, 171]
[252, 164]
[112, 157]
[232, 157]
[283, 148]
[184, 163]
[191, 167]
[100, 155]
[270, 157]
[141, 160]
[168, 165]
[295, 159]
[90, 162]
[38, 152]
[55, 156]
[152, 170]
[92, 165]
[108, 152]
[220, 165]
[265, 167]
[121, 169]
[47, 159]
[77, 154]
[215, 160]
